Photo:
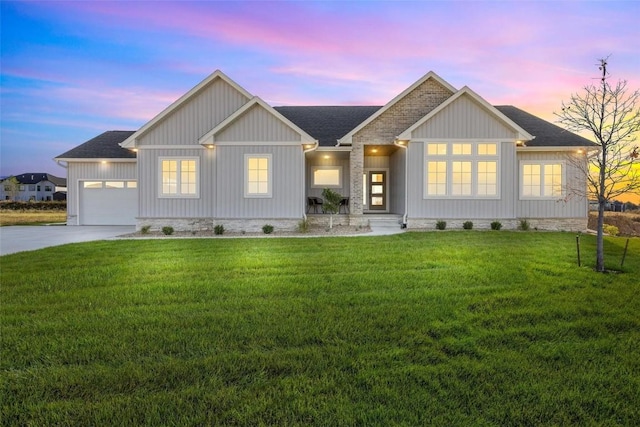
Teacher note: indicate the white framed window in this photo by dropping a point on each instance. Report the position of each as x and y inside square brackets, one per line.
[179, 177]
[132, 184]
[541, 180]
[326, 177]
[114, 184]
[258, 175]
[462, 170]
[92, 184]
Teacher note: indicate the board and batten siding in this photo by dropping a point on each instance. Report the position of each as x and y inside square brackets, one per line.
[397, 186]
[257, 124]
[287, 169]
[88, 171]
[573, 204]
[190, 121]
[464, 119]
[345, 187]
[152, 206]
[462, 208]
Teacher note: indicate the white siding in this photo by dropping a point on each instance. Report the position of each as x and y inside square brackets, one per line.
[465, 119]
[572, 205]
[151, 206]
[203, 112]
[257, 125]
[287, 174]
[93, 171]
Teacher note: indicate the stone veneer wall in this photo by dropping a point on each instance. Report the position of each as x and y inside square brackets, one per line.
[384, 129]
[230, 224]
[546, 224]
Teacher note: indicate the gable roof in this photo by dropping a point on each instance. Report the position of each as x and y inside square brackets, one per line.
[466, 91]
[546, 134]
[130, 141]
[35, 178]
[209, 137]
[327, 123]
[430, 75]
[104, 146]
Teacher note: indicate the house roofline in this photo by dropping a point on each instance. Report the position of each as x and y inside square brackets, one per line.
[209, 138]
[348, 138]
[522, 134]
[130, 142]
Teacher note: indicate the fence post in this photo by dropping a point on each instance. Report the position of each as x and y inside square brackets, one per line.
[578, 248]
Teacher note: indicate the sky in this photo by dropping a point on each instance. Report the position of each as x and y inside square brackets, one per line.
[72, 70]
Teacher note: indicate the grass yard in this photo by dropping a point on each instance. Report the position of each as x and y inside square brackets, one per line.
[439, 328]
[28, 217]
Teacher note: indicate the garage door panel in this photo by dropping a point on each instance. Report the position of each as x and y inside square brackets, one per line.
[108, 206]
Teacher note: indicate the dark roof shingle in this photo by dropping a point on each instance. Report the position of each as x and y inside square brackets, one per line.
[103, 146]
[35, 178]
[327, 124]
[546, 134]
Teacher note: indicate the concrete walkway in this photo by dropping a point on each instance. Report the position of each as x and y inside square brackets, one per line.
[28, 238]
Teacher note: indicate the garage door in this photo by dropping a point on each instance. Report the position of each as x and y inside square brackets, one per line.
[108, 202]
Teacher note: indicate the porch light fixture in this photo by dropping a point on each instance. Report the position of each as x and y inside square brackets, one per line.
[326, 156]
[210, 146]
[520, 143]
[374, 150]
[104, 162]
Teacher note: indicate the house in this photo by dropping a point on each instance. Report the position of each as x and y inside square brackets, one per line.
[220, 155]
[32, 187]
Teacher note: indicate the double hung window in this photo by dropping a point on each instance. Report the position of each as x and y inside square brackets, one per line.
[179, 177]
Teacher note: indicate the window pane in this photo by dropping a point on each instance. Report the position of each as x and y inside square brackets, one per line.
[437, 178]
[92, 184]
[487, 149]
[461, 149]
[114, 184]
[258, 175]
[437, 149]
[132, 184]
[326, 177]
[531, 180]
[364, 189]
[487, 179]
[553, 180]
[461, 178]
[377, 177]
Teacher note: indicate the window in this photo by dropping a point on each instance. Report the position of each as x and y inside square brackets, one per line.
[32, 188]
[179, 177]
[132, 184]
[327, 177]
[92, 184]
[38, 187]
[541, 180]
[7, 188]
[462, 170]
[48, 188]
[257, 175]
[22, 188]
[114, 184]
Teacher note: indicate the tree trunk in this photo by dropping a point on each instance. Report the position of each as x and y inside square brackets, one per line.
[330, 221]
[599, 236]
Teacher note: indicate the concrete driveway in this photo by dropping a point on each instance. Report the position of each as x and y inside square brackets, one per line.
[28, 238]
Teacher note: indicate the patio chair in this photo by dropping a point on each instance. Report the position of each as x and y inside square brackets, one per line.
[344, 203]
[314, 202]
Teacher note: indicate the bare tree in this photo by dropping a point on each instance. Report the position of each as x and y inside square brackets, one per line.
[611, 115]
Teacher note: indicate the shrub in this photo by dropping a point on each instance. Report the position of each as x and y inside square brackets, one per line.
[467, 225]
[524, 225]
[167, 230]
[303, 225]
[145, 229]
[267, 229]
[496, 225]
[441, 225]
[611, 230]
[218, 229]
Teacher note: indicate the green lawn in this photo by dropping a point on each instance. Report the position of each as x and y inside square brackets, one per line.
[438, 328]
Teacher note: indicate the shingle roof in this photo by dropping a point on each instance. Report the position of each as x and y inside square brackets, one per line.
[103, 146]
[327, 124]
[546, 134]
[34, 178]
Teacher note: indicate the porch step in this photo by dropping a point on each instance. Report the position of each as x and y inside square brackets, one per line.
[384, 221]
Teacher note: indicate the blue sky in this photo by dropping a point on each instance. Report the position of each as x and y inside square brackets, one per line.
[71, 70]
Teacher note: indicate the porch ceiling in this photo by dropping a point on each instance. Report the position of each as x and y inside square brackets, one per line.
[379, 150]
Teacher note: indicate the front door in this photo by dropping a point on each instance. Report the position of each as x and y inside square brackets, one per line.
[377, 190]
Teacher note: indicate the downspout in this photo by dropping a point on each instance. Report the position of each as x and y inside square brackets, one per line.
[404, 145]
[314, 146]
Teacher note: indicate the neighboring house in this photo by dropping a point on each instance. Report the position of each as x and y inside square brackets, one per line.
[219, 155]
[32, 187]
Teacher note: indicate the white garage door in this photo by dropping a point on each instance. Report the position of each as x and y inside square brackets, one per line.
[108, 202]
